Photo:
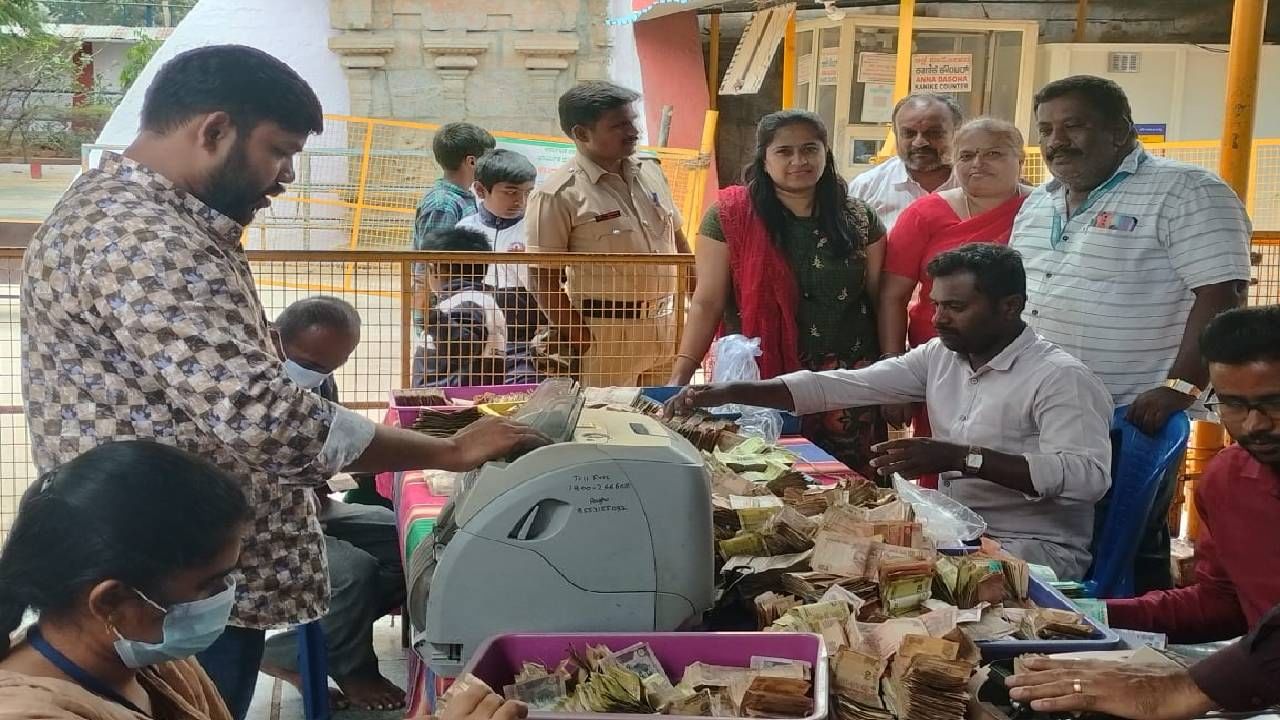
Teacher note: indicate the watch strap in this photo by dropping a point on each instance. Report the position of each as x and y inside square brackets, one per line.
[1183, 387]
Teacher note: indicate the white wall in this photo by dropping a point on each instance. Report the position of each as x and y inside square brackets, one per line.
[108, 61]
[1183, 86]
[624, 63]
[296, 31]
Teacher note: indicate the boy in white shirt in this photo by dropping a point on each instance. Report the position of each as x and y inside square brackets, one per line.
[466, 341]
[504, 179]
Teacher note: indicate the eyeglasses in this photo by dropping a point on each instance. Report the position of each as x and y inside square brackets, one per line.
[1237, 409]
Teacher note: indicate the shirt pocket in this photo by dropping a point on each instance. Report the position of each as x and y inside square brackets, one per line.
[615, 235]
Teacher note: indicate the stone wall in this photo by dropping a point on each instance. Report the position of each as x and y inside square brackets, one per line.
[498, 63]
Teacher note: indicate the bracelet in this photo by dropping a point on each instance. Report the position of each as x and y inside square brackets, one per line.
[695, 360]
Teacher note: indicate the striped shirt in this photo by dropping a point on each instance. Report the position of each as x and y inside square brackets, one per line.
[1112, 284]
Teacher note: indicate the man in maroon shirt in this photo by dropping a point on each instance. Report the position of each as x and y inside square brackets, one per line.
[1238, 568]
[1238, 498]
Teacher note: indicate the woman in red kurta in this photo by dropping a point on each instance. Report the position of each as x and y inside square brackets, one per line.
[988, 165]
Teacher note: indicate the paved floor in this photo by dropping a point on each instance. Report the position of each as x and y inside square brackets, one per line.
[22, 198]
[276, 700]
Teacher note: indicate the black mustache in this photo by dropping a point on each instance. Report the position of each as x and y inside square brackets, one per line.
[1055, 154]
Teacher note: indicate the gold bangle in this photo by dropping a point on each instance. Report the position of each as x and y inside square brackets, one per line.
[695, 360]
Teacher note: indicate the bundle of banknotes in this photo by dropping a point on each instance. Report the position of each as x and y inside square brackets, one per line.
[444, 423]
[899, 619]
[699, 427]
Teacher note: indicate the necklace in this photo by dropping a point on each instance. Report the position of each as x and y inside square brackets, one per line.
[967, 207]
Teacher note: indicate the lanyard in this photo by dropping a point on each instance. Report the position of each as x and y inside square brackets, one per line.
[1098, 192]
[77, 673]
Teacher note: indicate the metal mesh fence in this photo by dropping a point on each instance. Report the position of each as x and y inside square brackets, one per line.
[1264, 190]
[633, 305]
[16, 472]
[360, 181]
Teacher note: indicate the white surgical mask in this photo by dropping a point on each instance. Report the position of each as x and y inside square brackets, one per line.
[305, 377]
[189, 628]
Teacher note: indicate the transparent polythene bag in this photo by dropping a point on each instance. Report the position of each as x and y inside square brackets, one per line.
[944, 521]
[735, 362]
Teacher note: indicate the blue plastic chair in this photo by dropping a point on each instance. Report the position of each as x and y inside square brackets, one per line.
[313, 665]
[1139, 463]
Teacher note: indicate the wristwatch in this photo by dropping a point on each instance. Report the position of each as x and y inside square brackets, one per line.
[973, 461]
[1183, 387]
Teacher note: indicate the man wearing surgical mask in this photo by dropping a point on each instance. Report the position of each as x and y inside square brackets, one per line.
[316, 336]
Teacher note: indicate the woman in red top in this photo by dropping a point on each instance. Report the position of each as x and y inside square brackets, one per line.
[988, 165]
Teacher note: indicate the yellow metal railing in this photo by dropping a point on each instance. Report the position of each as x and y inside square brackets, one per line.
[360, 181]
[1264, 190]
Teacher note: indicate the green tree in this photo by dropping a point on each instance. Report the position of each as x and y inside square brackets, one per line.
[25, 14]
[136, 59]
[129, 13]
[38, 75]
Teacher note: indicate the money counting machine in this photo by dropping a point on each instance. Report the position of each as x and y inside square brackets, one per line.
[608, 529]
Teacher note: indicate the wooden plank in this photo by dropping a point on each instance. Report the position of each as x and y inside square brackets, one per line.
[755, 51]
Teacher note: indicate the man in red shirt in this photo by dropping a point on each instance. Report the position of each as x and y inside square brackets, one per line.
[1238, 498]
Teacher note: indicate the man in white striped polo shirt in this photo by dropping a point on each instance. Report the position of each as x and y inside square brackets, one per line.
[1128, 257]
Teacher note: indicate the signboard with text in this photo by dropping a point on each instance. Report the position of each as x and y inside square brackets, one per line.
[879, 68]
[949, 73]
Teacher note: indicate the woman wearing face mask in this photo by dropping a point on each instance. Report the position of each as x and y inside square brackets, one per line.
[125, 554]
[791, 259]
[988, 156]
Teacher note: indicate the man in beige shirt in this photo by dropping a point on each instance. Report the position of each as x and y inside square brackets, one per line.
[619, 317]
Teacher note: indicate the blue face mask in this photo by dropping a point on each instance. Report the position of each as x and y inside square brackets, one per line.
[189, 628]
[305, 377]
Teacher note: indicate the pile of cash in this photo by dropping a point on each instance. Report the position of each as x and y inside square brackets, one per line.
[420, 397]
[444, 423]
[899, 619]
[755, 459]
[632, 681]
[930, 684]
[698, 427]
[491, 398]
[1054, 624]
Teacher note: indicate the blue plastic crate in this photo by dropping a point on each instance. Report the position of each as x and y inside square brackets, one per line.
[1046, 596]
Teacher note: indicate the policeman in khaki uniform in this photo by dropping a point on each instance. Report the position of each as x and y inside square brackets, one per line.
[620, 318]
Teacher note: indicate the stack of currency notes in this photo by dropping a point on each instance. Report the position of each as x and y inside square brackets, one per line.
[777, 697]
[420, 397]
[905, 586]
[1054, 624]
[698, 427]
[444, 423]
[632, 680]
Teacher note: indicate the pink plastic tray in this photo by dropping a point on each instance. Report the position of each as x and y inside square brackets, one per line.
[498, 660]
[406, 415]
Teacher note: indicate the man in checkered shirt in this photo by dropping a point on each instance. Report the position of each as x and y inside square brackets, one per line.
[140, 319]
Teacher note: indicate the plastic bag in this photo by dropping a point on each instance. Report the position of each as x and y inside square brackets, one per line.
[735, 362]
[944, 521]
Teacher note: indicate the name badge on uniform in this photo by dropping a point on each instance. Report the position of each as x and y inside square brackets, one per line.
[609, 216]
[1115, 221]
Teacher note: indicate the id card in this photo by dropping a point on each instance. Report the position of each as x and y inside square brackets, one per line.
[1115, 221]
